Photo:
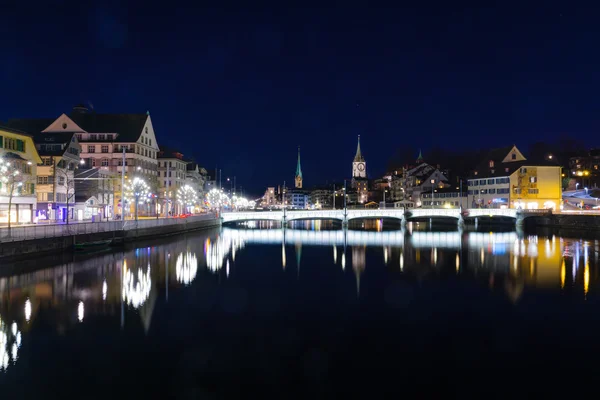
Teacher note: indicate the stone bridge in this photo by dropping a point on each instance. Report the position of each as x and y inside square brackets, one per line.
[344, 216]
[417, 239]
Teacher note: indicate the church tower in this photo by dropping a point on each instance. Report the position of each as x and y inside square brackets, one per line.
[298, 178]
[359, 166]
[359, 175]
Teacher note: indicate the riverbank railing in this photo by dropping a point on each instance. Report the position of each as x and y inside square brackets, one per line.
[31, 232]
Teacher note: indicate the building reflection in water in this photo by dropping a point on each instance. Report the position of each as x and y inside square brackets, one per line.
[359, 263]
[127, 282]
[518, 261]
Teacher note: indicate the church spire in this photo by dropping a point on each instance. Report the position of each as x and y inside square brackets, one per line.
[420, 158]
[358, 157]
[298, 167]
[298, 179]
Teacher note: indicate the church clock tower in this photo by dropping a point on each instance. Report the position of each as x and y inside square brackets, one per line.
[359, 166]
[359, 175]
[298, 178]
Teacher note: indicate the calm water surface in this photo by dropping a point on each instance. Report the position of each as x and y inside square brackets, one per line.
[308, 311]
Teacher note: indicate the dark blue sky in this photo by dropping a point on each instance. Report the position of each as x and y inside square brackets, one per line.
[242, 88]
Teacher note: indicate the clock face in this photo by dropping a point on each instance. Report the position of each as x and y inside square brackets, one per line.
[361, 167]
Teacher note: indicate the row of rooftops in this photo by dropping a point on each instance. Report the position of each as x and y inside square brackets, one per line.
[498, 162]
[127, 128]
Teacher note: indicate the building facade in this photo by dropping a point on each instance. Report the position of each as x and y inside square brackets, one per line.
[18, 200]
[108, 141]
[95, 194]
[172, 175]
[196, 177]
[56, 184]
[489, 185]
[297, 199]
[507, 179]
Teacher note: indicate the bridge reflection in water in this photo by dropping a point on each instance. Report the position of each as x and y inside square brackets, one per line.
[127, 284]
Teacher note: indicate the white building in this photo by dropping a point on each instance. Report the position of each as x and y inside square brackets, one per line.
[489, 186]
[417, 180]
[172, 173]
[297, 199]
[56, 175]
[105, 137]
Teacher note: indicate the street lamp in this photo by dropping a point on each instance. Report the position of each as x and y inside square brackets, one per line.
[432, 183]
[138, 189]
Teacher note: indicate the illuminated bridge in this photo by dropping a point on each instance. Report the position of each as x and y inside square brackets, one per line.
[399, 214]
[451, 240]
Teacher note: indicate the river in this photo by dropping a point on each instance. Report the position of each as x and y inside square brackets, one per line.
[311, 310]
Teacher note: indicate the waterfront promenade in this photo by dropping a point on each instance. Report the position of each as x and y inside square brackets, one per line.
[46, 231]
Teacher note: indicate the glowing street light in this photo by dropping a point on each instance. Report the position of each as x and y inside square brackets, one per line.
[135, 190]
[187, 196]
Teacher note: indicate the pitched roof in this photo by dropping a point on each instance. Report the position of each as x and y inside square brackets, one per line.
[33, 126]
[168, 152]
[498, 168]
[502, 168]
[128, 126]
[41, 139]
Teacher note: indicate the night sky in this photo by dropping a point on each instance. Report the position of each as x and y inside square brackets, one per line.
[242, 88]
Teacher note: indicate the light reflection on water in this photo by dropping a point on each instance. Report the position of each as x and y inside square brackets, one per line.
[128, 283]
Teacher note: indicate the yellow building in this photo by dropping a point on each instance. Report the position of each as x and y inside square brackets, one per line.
[536, 187]
[18, 150]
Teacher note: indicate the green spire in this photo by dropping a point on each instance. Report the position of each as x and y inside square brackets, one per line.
[358, 157]
[420, 158]
[298, 167]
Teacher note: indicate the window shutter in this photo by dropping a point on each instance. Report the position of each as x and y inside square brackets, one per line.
[20, 145]
[1, 141]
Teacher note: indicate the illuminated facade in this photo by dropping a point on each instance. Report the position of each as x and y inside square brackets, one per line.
[536, 187]
[104, 138]
[18, 149]
[55, 176]
[507, 179]
[172, 173]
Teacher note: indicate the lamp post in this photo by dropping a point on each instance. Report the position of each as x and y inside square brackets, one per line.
[432, 183]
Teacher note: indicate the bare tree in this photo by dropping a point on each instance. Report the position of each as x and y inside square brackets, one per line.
[16, 179]
[64, 171]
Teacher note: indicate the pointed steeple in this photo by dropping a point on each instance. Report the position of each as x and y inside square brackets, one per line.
[298, 178]
[298, 167]
[358, 157]
[420, 158]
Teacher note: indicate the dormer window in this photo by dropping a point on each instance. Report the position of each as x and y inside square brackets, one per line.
[491, 163]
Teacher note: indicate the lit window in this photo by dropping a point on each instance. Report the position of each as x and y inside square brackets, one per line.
[491, 164]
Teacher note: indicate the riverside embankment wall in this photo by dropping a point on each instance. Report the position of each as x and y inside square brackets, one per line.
[18, 245]
[585, 222]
